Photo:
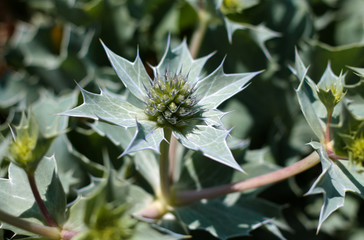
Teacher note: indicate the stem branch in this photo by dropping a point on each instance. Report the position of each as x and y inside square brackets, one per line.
[48, 232]
[39, 201]
[328, 123]
[189, 196]
[199, 33]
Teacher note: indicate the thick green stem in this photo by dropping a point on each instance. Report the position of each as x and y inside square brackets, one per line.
[39, 201]
[48, 232]
[164, 166]
[190, 196]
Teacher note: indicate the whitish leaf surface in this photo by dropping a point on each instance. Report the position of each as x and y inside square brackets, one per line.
[225, 221]
[306, 99]
[145, 161]
[211, 142]
[17, 199]
[147, 136]
[107, 107]
[46, 108]
[337, 178]
[218, 87]
[133, 75]
[179, 60]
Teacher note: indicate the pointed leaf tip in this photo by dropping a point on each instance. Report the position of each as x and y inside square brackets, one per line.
[132, 74]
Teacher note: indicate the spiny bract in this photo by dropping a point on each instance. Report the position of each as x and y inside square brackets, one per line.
[171, 101]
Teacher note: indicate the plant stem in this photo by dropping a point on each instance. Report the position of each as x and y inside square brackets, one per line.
[190, 196]
[328, 123]
[48, 232]
[172, 158]
[199, 33]
[39, 201]
[164, 165]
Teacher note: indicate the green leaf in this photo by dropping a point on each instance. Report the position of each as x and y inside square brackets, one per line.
[144, 136]
[17, 199]
[107, 107]
[218, 87]
[145, 161]
[211, 142]
[147, 136]
[74, 168]
[46, 109]
[260, 33]
[337, 178]
[12, 90]
[320, 54]
[224, 220]
[133, 75]
[306, 92]
[4, 144]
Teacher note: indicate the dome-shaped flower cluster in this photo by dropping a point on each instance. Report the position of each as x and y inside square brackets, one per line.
[171, 101]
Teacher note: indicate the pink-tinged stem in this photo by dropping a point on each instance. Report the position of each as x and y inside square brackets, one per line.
[39, 201]
[328, 130]
[45, 231]
[190, 196]
[172, 157]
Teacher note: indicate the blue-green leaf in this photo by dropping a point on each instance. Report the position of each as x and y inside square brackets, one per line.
[211, 142]
[147, 136]
[145, 161]
[107, 107]
[224, 221]
[337, 178]
[133, 75]
[17, 199]
[306, 97]
[179, 60]
[218, 86]
[259, 33]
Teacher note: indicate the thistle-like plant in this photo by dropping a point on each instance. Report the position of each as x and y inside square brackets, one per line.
[179, 101]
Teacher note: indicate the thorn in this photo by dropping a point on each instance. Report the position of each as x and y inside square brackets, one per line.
[12, 133]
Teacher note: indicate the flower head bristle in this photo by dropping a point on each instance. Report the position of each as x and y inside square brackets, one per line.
[171, 101]
[356, 150]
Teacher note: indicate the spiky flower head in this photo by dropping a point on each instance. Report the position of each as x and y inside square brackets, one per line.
[110, 223]
[171, 101]
[180, 99]
[330, 89]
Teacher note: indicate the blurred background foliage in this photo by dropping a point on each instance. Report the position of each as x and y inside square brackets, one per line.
[50, 45]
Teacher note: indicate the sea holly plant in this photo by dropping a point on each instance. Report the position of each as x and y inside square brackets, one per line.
[340, 144]
[180, 102]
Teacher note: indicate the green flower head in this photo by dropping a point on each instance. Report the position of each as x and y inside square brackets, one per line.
[330, 89]
[171, 102]
[110, 223]
[356, 150]
[349, 136]
[28, 145]
[179, 98]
